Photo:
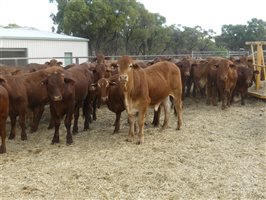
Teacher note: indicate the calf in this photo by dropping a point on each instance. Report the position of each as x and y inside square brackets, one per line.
[112, 94]
[4, 109]
[185, 68]
[226, 81]
[61, 93]
[149, 86]
[244, 81]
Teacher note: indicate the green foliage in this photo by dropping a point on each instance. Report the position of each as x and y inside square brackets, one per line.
[234, 37]
[117, 27]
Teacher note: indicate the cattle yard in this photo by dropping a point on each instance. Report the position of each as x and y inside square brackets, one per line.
[217, 154]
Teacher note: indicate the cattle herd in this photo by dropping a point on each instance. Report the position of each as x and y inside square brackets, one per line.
[125, 84]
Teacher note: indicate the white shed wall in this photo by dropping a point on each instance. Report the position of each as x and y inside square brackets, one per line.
[49, 49]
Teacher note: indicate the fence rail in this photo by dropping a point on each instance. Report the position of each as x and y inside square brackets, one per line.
[18, 61]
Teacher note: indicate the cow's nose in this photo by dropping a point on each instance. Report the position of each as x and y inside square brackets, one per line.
[123, 78]
[187, 73]
[58, 98]
[104, 99]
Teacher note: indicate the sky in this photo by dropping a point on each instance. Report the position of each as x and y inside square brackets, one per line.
[209, 14]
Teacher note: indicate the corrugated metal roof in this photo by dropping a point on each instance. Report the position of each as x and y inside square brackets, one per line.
[33, 34]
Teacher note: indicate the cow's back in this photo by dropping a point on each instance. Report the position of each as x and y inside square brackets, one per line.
[162, 78]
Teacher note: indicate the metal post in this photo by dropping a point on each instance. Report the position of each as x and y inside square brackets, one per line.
[77, 60]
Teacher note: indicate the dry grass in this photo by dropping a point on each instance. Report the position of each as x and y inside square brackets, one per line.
[217, 155]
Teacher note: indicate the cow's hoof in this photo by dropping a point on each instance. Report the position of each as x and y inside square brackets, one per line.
[69, 142]
[11, 137]
[129, 140]
[24, 137]
[54, 141]
[74, 132]
[2, 150]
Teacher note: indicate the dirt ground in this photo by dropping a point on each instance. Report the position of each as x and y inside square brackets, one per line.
[217, 155]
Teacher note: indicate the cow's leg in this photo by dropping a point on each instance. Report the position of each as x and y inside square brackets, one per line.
[22, 118]
[209, 93]
[76, 116]
[179, 107]
[166, 108]
[13, 126]
[141, 120]
[37, 115]
[68, 120]
[117, 122]
[243, 95]
[131, 121]
[56, 122]
[223, 98]
[94, 108]
[3, 137]
[214, 95]
[86, 113]
[156, 117]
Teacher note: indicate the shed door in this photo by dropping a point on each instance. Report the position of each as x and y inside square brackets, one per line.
[68, 58]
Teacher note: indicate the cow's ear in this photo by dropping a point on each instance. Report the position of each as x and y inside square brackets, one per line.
[47, 63]
[2, 81]
[93, 59]
[59, 63]
[134, 66]
[114, 66]
[112, 83]
[44, 81]
[69, 80]
[179, 64]
[256, 72]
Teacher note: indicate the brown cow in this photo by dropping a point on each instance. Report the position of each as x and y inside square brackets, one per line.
[83, 79]
[185, 68]
[244, 81]
[4, 107]
[61, 93]
[112, 95]
[25, 93]
[149, 86]
[226, 80]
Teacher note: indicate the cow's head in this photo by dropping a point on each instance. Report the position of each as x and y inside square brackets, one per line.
[125, 66]
[185, 67]
[104, 88]
[55, 84]
[53, 62]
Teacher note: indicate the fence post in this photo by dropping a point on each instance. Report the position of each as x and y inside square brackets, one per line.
[77, 60]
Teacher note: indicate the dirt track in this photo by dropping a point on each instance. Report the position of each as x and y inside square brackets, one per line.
[217, 155]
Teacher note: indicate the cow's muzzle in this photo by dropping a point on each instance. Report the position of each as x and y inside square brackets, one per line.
[57, 98]
[123, 78]
[104, 99]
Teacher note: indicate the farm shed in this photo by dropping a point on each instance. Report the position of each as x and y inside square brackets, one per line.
[39, 46]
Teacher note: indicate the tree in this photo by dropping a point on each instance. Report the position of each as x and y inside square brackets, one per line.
[234, 37]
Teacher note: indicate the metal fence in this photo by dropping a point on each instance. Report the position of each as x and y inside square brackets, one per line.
[20, 61]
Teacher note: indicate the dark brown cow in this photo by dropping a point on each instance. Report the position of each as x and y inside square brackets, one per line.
[112, 95]
[4, 107]
[61, 93]
[149, 86]
[185, 68]
[199, 78]
[244, 81]
[226, 80]
[83, 79]
[211, 77]
[25, 93]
